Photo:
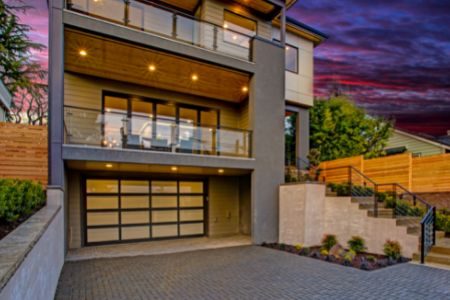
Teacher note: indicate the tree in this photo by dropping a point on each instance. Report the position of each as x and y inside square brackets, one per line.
[30, 106]
[17, 69]
[289, 138]
[339, 129]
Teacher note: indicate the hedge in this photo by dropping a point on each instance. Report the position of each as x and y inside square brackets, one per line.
[18, 197]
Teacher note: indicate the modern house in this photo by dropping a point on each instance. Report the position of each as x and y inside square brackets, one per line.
[404, 141]
[167, 117]
[5, 102]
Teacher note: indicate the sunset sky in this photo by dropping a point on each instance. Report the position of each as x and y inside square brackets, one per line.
[394, 55]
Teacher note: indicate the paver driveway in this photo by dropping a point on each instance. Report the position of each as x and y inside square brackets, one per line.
[247, 272]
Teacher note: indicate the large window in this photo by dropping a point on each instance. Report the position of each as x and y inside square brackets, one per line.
[291, 58]
[124, 210]
[240, 24]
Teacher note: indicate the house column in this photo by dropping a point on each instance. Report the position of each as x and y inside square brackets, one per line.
[266, 120]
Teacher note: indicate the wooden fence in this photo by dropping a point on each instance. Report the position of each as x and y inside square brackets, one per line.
[419, 174]
[24, 152]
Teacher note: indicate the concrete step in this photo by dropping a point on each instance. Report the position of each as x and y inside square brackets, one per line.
[331, 194]
[436, 258]
[408, 220]
[439, 235]
[329, 190]
[385, 213]
[370, 205]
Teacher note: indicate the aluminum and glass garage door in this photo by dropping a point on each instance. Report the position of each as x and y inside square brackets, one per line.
[119, 211]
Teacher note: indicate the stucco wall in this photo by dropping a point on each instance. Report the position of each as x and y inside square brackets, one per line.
[37, 276]
[306, 215]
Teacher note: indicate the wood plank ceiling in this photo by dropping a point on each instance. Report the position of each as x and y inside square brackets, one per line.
[130, 63]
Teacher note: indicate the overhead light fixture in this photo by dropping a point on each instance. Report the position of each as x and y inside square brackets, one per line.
[108, 110]
[234, 37]
[105, 142]
[152, 68]
[174, 168]
[225, 25]
[287, 48]
[220, 170]
[82, 52]
[245, 89]
[189, 121]
[194, 77]
[151, 116]
[109, 165]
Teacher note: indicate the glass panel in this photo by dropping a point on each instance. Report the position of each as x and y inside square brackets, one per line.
[84, 127]
[134, 186]
[102, 234]
[164, 187]
[191, 187]
[102, 218]
[113, 10]
[141, 124]
[164, 201]
[102, 202]
[164, 230]
[135, 232]
[165, 127]
[79, 5]
[151, 19]
[135, 217]
[232, 143]
[187, 130]
[164, 216]
[102, 186]
[191, 229]
[291, 58]
[185, 29]
[134, 201]
[191, 215]
[191, 201]
[115, 113]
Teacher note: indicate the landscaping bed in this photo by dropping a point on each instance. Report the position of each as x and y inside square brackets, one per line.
[7, 228]
[355, 263]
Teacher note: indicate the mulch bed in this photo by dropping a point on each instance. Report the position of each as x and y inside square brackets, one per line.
[7, 228]
[447, 235]
[356, 262]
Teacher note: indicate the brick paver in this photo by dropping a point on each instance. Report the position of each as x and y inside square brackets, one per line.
[247, 272]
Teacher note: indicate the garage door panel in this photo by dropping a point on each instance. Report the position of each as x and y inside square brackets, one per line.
[191, 229]
[102, 234]
[134, 186]
[164, 187]
[135, 232]
[135, 217]
[102, 218]
[135, 201]
[100, 186]
[191, 215]
[164, 201]
[102, 202]
[191, 201]
[159, 231]
[164, 216]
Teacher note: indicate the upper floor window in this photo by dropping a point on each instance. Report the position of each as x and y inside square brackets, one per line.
[291, 58]
[240, 24]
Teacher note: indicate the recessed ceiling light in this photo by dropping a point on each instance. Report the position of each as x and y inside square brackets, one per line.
[234, 37]
[245, 89]
[82, 52]
[174, 168]
[152, 68]
[194, 77]
[287, 48]
[225, 25]
[109, 165]
[220, 170]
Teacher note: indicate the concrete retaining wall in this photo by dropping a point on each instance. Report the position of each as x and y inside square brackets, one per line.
[32, 256]
[306, 215]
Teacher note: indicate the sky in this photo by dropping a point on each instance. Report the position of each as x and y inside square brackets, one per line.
[394, 55]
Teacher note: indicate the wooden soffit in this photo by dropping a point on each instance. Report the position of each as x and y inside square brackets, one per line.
[188, 5]
[116, 60]
[262, 6]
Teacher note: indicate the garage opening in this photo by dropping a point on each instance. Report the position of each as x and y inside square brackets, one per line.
[124, 211]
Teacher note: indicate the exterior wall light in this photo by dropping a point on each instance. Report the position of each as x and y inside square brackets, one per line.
[109, 165]
[174, 168]
[220, 170]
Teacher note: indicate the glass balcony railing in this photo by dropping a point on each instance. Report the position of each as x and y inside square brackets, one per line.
[156, 19]
[94, 128]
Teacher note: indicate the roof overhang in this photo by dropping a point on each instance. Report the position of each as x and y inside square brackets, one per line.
[397, 130]
[309, 33]
[5, 97]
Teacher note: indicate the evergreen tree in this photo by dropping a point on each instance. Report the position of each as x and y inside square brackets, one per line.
[17, 69]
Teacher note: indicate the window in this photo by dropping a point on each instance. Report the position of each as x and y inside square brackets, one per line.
[291, 58]
[238, 24]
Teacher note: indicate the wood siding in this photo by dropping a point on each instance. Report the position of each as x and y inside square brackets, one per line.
[390, 169]
[86, 92]
[24, 152]
[431, 173]
[223, 198]
[414, 145]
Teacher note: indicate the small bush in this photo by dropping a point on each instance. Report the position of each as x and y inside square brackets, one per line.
[328, 241]
[298, 246]
[392, 249]
[443, 220]
[348, 257]
[315, 254]
[380, 264]
[372, 258]
[347, 261]
[19, 196]
[304, 252]
[357, 244]
[324, 252]
[352, 252]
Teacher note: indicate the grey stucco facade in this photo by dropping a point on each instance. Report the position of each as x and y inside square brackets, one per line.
[257, 191]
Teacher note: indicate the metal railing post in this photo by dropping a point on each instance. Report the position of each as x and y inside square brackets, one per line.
[215, 30]
[434, 225]
[174, 25]
[422, 246]
[126, 12]
[375, 199]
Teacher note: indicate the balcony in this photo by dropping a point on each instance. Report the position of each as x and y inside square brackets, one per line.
[158, 20]
[96, 128]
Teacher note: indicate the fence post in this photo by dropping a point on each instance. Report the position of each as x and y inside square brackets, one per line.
[375, 197]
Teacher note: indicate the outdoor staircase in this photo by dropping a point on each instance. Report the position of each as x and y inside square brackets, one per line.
[439, 254]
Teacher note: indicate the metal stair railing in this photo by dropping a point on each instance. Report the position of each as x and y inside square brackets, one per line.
[407, 207]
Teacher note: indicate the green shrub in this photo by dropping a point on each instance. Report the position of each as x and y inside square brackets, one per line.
[328, 241]
[392, 249]
[372, 258]
[19, 196]
[357, 244]
[443, 220]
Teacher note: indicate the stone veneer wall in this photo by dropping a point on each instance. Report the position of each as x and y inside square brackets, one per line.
[306, 215]
[438, 199]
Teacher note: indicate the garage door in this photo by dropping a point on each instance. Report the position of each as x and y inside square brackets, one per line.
[120, 211]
